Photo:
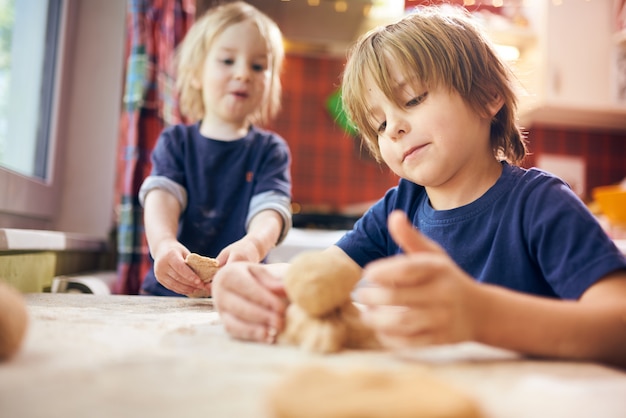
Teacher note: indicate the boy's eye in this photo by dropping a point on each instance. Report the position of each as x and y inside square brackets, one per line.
[417, 100]
[228, 61]
[381, 127]
[258, 68]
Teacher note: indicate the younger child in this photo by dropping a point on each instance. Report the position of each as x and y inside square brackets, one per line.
[468, 246]
[220, 187]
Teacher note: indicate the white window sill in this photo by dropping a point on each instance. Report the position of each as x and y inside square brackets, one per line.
[39, 240]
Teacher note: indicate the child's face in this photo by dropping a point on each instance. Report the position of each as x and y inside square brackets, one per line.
[236, 75]
[434, 138]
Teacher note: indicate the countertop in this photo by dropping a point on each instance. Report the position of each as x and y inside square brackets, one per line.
[135, 356]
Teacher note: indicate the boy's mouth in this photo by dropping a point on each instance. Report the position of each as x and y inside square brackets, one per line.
[411, 151]
[240, 94]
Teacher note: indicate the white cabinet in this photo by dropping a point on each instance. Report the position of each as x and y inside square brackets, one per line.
[570, 69]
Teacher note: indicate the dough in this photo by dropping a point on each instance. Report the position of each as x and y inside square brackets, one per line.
[339, 329]
[204, 267]
[320, 282]
[318, 392]
[13, 320]
[321, 317]
[319, 335]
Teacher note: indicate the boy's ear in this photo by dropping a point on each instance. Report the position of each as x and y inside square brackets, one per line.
[495, 105]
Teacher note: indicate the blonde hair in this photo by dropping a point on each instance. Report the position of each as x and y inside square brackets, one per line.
[192, 52]
[438, 47]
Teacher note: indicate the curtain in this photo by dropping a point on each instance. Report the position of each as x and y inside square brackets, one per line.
[153, 30]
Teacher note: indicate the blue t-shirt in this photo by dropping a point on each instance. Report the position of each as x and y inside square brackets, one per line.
[220, 179]
[529, 233]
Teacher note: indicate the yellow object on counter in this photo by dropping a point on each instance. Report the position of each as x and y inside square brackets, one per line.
[611, 201]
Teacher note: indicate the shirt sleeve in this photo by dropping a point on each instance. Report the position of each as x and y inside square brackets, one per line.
[163, 183]
[168, 172]
[569, 245]
[369, 240]
[273, 183]
[273, 201]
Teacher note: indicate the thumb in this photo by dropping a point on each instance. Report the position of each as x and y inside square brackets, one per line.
[407, 237]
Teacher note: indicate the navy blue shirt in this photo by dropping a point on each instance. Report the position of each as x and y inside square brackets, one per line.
[220, 179]
[529, 233]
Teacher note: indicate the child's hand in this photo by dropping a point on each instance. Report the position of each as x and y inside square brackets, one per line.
[419, 298]
[172, 272]
[246, 249]
[251, 301]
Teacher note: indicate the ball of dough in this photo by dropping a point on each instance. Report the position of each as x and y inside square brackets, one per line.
[13, 320]
[320, 281]
[317, 335]
[319, 392]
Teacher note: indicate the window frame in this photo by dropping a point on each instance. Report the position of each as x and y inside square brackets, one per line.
[32, 202]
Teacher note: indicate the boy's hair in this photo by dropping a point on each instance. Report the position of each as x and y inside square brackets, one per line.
[192, 52]
[438, 47]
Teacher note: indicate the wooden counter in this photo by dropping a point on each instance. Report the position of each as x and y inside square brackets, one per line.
[135, 356]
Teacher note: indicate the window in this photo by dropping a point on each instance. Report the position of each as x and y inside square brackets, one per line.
[28, 47]
[32, 36]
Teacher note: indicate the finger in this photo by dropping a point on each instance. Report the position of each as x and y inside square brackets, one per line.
[388, 296]
[222, 258]
[407, 237]
[247, 312]
[403, 270]
[398, 320]
[394, 341]
[269, 281]
[248, 331]
[173, 281]
[399, 326]
[253, 291]
[186, 274]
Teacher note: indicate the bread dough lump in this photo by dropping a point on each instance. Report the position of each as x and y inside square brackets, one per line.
[321, 317]
[319, 392]
[204, 267]
[13, 320]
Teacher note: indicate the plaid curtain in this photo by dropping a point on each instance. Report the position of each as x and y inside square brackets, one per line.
[154, 29]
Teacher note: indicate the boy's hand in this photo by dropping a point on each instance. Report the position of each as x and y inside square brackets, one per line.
[419, 298]
[251, 301]
[172, 272]
[246, 249]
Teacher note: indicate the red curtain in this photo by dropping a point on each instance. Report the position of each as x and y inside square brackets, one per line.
[154, 29]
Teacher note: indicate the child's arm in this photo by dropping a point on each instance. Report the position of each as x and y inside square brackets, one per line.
[434, 302]
[592, 328]
[263, 233]
[161, 213]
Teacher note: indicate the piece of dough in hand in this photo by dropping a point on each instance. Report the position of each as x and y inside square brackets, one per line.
[319, 392]
[204, 267]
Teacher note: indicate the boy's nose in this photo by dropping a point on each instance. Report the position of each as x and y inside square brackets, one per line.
[242, 71]
[398, 129]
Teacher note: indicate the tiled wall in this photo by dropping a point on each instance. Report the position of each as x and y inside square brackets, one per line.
[604, 152]
[329, 171]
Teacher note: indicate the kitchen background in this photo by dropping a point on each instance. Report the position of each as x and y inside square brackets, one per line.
[586, 125]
